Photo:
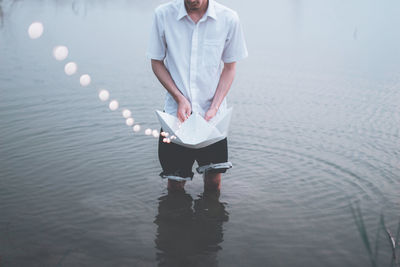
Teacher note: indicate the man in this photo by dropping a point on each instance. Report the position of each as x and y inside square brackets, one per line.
[194, 46]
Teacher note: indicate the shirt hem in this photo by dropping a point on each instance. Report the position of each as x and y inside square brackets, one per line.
[235, 59]
[156, 57]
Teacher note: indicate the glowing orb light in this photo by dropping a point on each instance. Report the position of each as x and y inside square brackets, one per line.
[113, 105]
[35, 30]
[126, 113]
[147, 131]
[173, 137]
[70, 68]
[163, 134]
[129, 121]
[136, 128]
[85, 80]
[104, 95]
[60, 52]
[155, 133]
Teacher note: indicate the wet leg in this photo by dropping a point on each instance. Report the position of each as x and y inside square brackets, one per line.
[212, 181]
[176, 185]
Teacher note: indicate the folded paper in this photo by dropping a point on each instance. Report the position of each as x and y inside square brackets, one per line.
[196, 132]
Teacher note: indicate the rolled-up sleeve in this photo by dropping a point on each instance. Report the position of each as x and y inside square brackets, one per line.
[157, 46]
[235, 45]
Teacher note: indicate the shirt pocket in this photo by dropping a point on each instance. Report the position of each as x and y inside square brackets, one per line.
[212, 53]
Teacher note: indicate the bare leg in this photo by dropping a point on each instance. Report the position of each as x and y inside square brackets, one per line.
[212, 181]
[176, 185]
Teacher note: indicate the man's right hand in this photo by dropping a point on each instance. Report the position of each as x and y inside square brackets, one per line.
[163, 75]
[184, 109]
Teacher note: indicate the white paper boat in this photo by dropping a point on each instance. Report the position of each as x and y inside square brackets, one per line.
[196, 132]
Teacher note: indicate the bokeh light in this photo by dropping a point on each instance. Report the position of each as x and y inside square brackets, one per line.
[129, 121]
[70, 68]
[126, 113]
[104, 95]
[113, 105]
[155, 133]
[136, 128]
[85, 80]
[164, 134]
[60, 52]
[147, 131]
[35, 30]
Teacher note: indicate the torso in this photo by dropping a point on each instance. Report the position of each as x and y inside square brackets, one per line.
[195, 46]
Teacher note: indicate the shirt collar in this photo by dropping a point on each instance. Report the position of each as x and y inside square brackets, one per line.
[209, 13]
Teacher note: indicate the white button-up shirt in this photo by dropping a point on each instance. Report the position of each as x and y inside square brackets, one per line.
[194, 53]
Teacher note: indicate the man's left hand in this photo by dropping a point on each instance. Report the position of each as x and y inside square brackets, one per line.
[210, 113]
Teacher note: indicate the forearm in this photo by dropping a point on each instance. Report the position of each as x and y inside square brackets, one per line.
[184, 108]
[225, 82]
[165, 79]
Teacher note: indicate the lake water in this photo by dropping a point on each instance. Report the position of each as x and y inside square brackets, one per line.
[316, 126]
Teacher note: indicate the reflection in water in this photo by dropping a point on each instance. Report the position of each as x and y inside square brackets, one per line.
[1, 14]
[189, 233]
[79, 8]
